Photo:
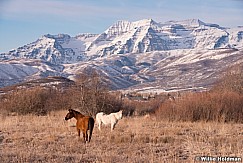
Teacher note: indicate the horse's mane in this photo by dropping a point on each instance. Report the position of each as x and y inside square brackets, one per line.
[75, 112]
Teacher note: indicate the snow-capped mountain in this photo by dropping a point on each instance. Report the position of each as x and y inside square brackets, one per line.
[56, 49]
[140, 53]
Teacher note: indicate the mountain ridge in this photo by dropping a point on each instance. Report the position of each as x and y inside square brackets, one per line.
[134, 54]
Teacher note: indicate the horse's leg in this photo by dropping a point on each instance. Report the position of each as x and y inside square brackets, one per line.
[113, 125]
[84, 136]
[99, 123]
[86, 133]
[78, 132]
[90, 134]
[90, 127]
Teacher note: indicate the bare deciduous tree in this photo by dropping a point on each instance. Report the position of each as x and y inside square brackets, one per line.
[91, 94]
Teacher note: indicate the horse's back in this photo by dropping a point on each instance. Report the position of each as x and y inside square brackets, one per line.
[98, 115]
[83, 123]
[117, 115]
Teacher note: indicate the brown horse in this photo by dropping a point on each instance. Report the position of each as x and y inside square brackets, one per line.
[84, 123]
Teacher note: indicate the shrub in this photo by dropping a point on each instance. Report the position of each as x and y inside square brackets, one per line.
[26, 101]
[231, 81]
[139, 107]
[223, 103]
[205, 106]
[38, 101]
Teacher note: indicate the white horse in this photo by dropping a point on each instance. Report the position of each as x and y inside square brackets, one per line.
[108, 119]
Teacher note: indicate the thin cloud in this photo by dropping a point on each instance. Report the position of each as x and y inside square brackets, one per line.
[29, 9]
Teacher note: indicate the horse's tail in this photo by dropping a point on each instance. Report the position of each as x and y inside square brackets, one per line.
[91, 126]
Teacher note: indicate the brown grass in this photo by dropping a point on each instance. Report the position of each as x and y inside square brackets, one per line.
[49, 138]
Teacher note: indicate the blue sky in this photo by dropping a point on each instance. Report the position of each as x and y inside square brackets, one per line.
[24, 21]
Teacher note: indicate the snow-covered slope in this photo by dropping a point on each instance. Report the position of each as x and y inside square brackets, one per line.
[12, 72]
[144, 53]
[173, 69]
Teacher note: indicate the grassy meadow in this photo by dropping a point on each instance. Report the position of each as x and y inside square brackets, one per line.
[31, 138]
[209, 123]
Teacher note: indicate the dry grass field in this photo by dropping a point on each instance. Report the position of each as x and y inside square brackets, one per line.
[135, 139]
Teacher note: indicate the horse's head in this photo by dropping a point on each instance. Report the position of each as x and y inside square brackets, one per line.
[70, 114]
